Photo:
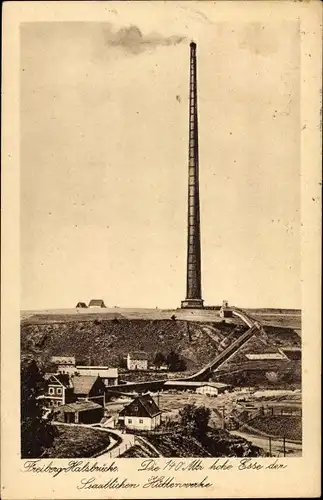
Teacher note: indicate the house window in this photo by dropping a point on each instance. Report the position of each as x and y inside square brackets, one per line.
[59, 390]
[129, 421]
[141, 421]
[51, 390]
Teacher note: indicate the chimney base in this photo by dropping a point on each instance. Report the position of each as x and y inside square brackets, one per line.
[192, 304]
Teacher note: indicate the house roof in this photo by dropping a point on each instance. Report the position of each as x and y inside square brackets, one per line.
[138, 355]
[102, 371]
[61, 378]
[141, 406]
[79, 406]
[81, 304]
[184, 383]
[83, 383]
[63, 360]
[96, 302]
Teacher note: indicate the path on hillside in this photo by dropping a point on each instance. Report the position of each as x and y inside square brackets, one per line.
[127, 440]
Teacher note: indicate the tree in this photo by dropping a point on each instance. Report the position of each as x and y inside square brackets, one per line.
[159, 359]
[195, 420]
[37, 434]
[175, 362]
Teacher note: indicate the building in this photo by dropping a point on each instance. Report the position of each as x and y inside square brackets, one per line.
[108, 375]
[226, 311]
[193, 298]
[89, 388]
[141, 414]
[210, 389]
[81, 305]
[64, 364]
[80, 412]
[58, 390]
[198, 387]
[96, 303]
[137, 361]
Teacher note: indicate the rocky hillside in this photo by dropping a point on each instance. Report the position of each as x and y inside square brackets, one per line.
[106, 342]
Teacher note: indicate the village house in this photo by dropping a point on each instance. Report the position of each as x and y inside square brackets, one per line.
[64, 364]
[58, 390]
[137, 361]
[89, 388]
[141, 414]
[211, 388]
[109, 376]
[81, 305]
[96, 303]
[79, 412]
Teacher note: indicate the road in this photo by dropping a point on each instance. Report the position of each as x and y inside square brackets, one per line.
[292, 449]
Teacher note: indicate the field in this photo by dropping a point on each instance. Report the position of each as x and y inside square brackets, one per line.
[279, 425]
[78, 442]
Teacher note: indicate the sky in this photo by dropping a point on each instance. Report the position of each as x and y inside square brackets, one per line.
[104, 146]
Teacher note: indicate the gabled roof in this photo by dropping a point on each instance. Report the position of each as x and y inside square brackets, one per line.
[96, 303]
[83, 383]
[80, 406]
[142, 406]
[138, 355]
[81, 304]
[59, 378]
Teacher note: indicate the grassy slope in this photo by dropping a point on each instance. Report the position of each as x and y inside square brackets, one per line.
[267, 372]
[78, 442]
[104, 342]
[217, 443]
[279, 425]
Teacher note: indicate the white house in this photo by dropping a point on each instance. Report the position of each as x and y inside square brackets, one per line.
[141, 414]
[108, 375]
[64, 364]
[137, 361]
[208, 390]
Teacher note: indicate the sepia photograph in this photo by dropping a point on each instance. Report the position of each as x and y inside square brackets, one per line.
[160, 249]
[160, 240]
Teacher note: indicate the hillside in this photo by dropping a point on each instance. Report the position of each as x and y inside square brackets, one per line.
[101, 341]
[106, 342]
[241, 370]
[217, 443]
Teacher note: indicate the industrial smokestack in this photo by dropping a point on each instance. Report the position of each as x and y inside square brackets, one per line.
[193, 273]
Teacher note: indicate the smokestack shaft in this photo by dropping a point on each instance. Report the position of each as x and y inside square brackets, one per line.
[193, 280]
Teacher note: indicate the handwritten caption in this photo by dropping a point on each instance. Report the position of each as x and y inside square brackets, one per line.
[161, 474]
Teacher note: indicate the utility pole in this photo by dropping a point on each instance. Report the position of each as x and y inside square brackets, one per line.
[270, 446]
[284, 445]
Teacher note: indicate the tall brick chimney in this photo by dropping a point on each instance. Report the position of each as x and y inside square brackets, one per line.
[193, 298]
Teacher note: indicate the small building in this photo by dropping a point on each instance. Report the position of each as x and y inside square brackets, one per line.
[96, 303]
[141, 414]
[207, 390]
[137, 361]
[58, 390]
[89, 388]
[81, 305]
[80, 412]
[198, 387]
[226, 311]
[108, 375]
[64, 364]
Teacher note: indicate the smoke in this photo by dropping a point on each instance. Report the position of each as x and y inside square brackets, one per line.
[133, 41]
